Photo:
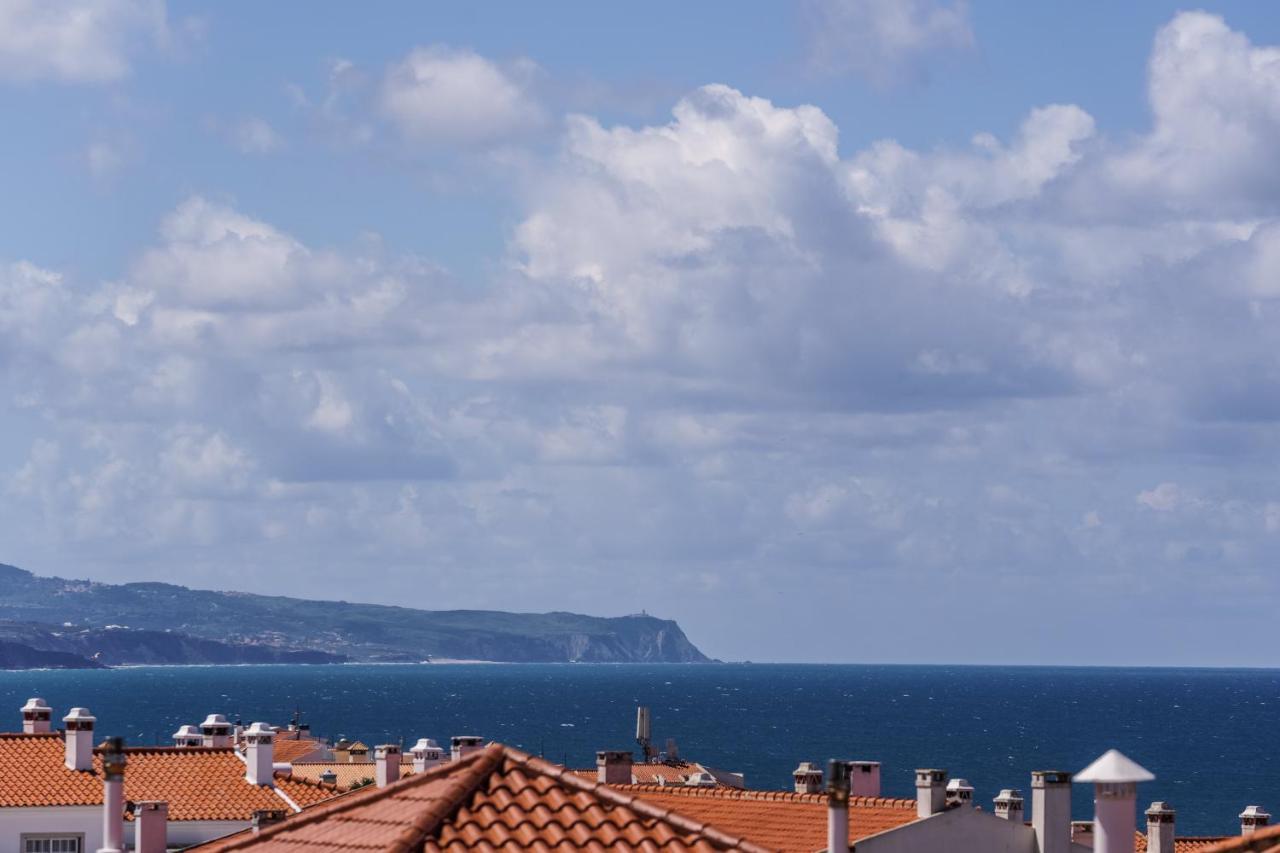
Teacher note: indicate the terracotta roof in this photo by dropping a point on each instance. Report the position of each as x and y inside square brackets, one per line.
[779, 820]
[499, 798]
[1263, 841]
[290, 749]
[199, 783]
[348, 772]
[1186, 844]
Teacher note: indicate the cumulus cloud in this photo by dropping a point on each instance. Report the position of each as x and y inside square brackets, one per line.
[80, 41]
[884, 41]
[723, 352]
[441, 95]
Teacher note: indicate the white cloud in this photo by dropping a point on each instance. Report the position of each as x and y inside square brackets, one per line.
[255, 135]
[884, 41]
[1162, 498]
[76, 41]
[444, 96]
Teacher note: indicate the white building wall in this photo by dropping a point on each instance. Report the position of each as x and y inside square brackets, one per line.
[953, 831]
[87, 821]
[63, 820]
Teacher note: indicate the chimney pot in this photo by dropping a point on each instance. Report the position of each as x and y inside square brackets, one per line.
[426, 754]
[1252, 819]
[959, 793]
[386, 764]
[37, 717]
[79, 739]
[113, 764]
[864, 778]
[151, 833]
[259, 753]
[263, 818]
[216, 731]
[1115, 780]
[837, 806]
[931, 791]
[808, 778]
[464, 745]
[1008, 804]
[1051, 810]
[613, 766]
[1160, 823]
[188, 736]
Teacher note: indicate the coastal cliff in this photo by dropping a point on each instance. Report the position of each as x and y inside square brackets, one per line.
[166, 623]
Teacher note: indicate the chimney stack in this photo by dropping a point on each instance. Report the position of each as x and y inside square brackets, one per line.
[329, 777]
[464, 745]
[150, 826]
[931, 791]
[1252, 819]
[837, 806]
[259, 754]
[1008, 805]
[613, 766]
[386, 764]
[1115, 781]
[263, 818]
[188, 736]
[959, 793]
[79, 739]
[113, 762]
[1160, 819]
[1051, 809]
[426, 754]
[864, 778]
[215, 731]
[808, 778]
[37, 717]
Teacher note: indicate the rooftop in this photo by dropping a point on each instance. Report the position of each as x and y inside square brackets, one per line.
[494, 798]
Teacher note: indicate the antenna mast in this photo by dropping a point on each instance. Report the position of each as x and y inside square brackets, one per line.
[644, 733]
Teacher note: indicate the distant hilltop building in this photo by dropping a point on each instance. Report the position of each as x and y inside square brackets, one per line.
[226, 786]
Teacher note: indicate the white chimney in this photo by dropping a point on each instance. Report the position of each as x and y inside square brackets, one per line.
[1160, 819]
[808, 778]
[79, 739]
[1252, 819]
[959, 793]
[837, 806]
[613, 766]
[188, 736]
[1008, 805]
[1115, 781]
[259, 754]
[113, 762]
[216, 731]
[1051, 810]
[150, 826]
[931, 791]
[386, 764]
[864, 778]
[464, 745]
[37, 717]
[426, 754]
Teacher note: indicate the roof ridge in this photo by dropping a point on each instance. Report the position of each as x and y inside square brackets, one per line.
[725, 793]
[647, 809]
[454, 796]
[353, 799]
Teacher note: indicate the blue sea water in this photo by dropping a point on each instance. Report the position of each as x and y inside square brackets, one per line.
[1205, 733]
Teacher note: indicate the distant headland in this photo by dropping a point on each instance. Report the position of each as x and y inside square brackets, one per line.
[59, 623]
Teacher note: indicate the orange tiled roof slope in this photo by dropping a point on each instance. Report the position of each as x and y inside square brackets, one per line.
[499, 798]
[198, 783]
[348, 773]
[1187, 844]
[780, 820]
[1263, 841]
[289, 749]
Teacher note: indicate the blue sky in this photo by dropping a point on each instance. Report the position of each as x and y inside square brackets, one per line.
[944, 329]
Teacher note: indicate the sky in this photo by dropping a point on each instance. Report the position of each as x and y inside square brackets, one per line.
[837, 330]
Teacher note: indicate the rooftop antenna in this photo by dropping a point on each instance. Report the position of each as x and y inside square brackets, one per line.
[644, 733]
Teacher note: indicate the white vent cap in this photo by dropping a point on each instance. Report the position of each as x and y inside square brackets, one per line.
[79, 715]
[1113, 766]
[187, 731]
[424, 744]
[258, 729]
[215, 720]
[35, 703]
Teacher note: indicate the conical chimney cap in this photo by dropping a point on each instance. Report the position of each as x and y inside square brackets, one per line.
[1115, 767]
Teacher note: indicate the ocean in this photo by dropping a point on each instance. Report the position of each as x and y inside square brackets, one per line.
[1202, 732]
